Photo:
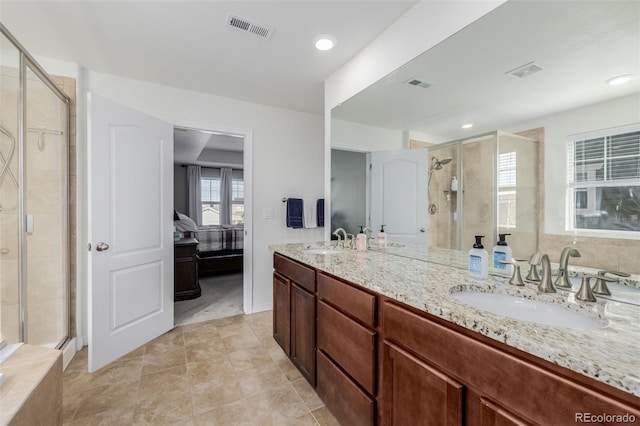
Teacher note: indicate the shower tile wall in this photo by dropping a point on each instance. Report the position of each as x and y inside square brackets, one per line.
[442, 226]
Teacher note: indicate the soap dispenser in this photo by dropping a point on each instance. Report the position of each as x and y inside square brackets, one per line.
[479, 259]
[381, 238]
[502, 253]
[361, 240]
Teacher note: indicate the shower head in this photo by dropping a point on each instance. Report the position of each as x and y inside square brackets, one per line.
[437, 164]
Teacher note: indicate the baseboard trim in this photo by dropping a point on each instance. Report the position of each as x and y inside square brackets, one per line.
[68, 352]
[261, 308]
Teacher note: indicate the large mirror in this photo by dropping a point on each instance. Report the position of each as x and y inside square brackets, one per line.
[539, 70]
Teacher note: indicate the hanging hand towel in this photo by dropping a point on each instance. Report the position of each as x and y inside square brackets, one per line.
[295, 213]
[320, 210]
[310, 213]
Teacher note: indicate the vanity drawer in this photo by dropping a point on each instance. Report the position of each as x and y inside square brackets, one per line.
[344, 398]
[303, 276]
[349, 344]
[352, 301]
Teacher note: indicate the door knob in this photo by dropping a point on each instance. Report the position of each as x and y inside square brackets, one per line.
[423, 230]
[102, 246]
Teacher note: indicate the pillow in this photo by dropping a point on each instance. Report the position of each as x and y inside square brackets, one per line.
[185, 224]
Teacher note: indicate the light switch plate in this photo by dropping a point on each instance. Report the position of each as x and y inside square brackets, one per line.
[267, 213]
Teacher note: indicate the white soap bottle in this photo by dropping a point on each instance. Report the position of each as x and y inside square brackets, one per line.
[479, 259]
[381, 238]
[361, 240]
[502, 252]
[454, 184]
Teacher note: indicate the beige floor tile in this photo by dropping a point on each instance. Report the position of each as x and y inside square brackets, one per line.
[70, 404]
[106, 398]
[213, 372]
[236, 414]
[121, 416]
[120, 371]
[248, 359]
[261, 379]
[210, 351]
[198, 335]
[168, 407]
[324, 417]
[234, 329]
[240, 341]
[307, 394]
[156, 361]
[279, 405]
[205, 397]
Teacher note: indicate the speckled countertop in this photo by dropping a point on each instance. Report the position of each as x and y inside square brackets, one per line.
[426, 281]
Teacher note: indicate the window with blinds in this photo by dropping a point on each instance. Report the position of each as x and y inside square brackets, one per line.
[603, 190]
[507, 190]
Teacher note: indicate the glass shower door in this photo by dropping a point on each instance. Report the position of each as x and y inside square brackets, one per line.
[9, 193]
[45, 212]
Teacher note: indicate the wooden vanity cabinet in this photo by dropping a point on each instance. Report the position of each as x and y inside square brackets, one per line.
[477, 382]
[294, 316]
[347, 350]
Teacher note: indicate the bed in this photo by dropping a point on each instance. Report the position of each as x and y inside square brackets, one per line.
[220, 249]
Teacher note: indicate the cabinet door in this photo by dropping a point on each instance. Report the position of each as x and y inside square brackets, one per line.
[494, 415]
[281, 314]
[303, 332]
[415, 393]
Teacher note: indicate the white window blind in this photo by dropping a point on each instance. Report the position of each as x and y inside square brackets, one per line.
[603, 180]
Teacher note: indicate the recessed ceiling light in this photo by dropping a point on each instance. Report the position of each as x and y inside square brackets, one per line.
[467, 126]
[620, 79]
[324, 42]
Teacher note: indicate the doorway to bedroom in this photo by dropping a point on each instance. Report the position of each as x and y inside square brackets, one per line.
[209, 203]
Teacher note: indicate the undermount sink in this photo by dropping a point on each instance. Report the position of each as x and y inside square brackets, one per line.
[528, 310]
[321, 251]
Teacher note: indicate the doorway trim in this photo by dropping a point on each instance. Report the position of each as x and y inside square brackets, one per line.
[247, 160]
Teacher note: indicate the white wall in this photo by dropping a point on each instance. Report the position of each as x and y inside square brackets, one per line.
[604, 115]
[359, 137]
[288, 159]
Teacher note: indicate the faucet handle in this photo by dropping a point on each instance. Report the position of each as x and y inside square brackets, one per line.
[516, 278]
[586, 293]
[600, 287]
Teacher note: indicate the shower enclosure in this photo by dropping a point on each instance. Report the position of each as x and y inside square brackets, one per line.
[484, 185]
[34, 223]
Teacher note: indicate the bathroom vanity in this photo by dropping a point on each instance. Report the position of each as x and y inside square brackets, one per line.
[383, 341]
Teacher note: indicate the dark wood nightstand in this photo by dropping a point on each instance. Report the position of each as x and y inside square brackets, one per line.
[185, 275]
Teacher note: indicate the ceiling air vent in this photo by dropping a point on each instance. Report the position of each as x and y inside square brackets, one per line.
[525, 70]
[242, 24]
[418, 83]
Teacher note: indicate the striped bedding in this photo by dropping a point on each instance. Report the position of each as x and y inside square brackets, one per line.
[216, 238]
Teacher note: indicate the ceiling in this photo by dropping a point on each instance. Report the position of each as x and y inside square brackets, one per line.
[205, 148]
[187, 44]
[579, 45]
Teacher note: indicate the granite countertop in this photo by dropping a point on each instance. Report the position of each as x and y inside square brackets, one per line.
[426, 282]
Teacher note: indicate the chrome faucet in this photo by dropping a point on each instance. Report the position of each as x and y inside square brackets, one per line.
[337, 234]
[534, 261]
[600, 287]
[563, 274]
[367, 233]
[546, 286]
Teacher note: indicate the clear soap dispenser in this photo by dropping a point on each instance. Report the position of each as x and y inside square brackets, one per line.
[381, 238]
[361, 240]
[479, 259]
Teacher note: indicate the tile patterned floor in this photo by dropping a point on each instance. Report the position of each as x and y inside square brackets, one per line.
[225, 372]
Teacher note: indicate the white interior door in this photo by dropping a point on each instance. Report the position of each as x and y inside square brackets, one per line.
[399, 194]
[130, 229]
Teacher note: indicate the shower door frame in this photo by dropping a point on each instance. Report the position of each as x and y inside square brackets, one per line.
[26, 60]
